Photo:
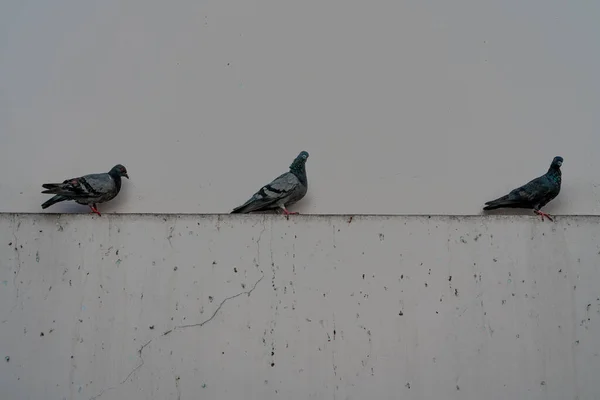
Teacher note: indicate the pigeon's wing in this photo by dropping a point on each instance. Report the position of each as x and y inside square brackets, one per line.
[269, 195]
[101, 184]
[533, 191]
[88, 186]
[529, 195]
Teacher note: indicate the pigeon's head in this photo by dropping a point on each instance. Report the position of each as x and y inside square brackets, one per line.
[557, 162]
[302, 156]
[299, 161]
[119, 170]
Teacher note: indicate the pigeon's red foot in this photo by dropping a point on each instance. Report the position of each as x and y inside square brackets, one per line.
[95, 210]
[286, 212]
[543, 214]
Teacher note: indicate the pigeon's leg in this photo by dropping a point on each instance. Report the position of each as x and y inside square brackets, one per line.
[95, 210]
[286, 212]
[543, 214]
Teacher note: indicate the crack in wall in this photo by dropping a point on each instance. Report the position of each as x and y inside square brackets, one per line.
[177, 378]
[258, 242]
[18, 266]
[248, 292]
[276, 301]
[170, 236]
[140, 364]
[271, 252]
[129, 375]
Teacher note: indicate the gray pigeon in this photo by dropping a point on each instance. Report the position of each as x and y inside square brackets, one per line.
[534, 194]
[88, 190]
[285, 190]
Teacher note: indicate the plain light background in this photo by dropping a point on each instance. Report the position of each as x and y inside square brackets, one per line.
[405, 107]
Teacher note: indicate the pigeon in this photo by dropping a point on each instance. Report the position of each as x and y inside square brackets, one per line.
[87, 190]
[285, 190]
[534, 194]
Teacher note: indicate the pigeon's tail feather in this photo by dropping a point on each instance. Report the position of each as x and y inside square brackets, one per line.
[243, 209]
[63, 190]
[502, 202]
[52, 187]
[254, 204]
[54, 200]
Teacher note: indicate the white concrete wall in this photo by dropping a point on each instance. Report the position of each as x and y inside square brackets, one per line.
[315, 307]
[406, 107]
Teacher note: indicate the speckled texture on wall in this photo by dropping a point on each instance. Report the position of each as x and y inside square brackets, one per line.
[261, 307]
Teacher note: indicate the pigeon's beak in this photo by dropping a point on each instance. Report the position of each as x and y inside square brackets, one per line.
[126, 176]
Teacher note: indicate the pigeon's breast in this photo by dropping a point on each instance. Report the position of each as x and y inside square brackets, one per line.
[298, 193]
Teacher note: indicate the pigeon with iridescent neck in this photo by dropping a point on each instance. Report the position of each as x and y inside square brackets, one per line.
[283, 191]
[534, 194]
[88, 190]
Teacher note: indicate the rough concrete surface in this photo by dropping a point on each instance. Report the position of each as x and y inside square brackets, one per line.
[314, 307]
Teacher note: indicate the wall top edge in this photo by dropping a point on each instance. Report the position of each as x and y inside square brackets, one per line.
[232, 217]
